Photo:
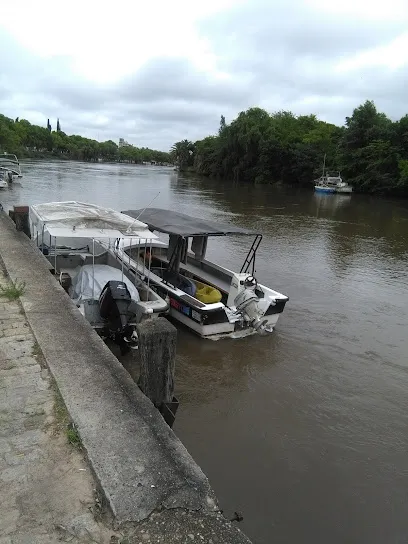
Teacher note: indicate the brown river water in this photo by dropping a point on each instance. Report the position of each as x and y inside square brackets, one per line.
[304, 431]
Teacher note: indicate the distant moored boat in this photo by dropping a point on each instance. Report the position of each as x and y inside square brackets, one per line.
[331, 182]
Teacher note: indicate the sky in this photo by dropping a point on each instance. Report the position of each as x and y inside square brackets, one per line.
[160, 71]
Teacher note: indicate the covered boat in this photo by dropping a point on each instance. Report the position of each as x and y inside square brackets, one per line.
[74, 238]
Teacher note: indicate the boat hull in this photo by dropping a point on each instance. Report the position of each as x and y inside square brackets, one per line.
[344, 190]
[324, 190]
[217, 331]
[206, 320]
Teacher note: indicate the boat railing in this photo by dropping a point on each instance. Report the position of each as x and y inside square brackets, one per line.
[250, 258]
[10, 162]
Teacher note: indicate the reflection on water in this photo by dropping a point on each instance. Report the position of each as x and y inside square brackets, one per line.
[304, 431]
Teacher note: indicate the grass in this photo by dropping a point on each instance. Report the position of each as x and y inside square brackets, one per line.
[63, 422]
[73, 436]
[13, 291]
[60, 412]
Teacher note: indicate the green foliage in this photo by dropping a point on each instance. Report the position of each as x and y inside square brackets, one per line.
[182, 154]
[13, 291]
[258, 147]
[24, 139]
[403, 175]
[73, 436]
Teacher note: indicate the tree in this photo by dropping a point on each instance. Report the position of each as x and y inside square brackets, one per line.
[183, 154]
[58, 126]
[222, 125]
[368, 132]
[258, 147]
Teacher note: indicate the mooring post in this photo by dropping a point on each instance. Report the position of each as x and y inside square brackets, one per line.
[20, 217]
[157, 350]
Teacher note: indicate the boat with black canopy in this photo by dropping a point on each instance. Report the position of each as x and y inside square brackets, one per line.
[210, 299]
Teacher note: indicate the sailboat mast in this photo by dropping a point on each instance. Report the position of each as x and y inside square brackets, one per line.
[324, 164]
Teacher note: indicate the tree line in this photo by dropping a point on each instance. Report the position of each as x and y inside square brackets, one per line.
[26, 140]
[370, 150]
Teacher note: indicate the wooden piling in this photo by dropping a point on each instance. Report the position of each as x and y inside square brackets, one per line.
[157, 350]
[20, 217]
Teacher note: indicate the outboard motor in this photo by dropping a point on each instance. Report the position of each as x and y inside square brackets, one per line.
[248, 304]
[114, 306]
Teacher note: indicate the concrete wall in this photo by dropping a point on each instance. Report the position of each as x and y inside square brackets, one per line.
[139, 463]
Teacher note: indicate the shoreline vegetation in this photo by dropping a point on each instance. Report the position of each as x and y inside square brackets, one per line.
[32, 141]
[371, 150]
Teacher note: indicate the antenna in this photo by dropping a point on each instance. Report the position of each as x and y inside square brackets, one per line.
[151, 202]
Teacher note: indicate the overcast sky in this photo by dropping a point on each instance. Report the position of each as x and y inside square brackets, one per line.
[159, 71]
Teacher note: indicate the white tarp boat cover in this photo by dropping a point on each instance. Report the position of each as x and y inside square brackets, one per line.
[84, 288]
[78, 219]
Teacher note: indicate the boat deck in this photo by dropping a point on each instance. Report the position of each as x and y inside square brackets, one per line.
[201, 275]
[207, 277]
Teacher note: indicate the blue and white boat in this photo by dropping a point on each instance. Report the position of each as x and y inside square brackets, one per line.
[322, 187]
[331, 182]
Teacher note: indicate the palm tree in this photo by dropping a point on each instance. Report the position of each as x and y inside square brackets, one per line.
[182, 153]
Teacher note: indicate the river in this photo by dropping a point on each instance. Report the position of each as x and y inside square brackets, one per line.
[304, 431]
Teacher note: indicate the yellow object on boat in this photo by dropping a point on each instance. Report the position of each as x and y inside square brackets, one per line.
[207, 294]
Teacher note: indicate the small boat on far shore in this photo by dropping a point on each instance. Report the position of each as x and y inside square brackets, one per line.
[322, 187]
[9, 167]
[331, 182]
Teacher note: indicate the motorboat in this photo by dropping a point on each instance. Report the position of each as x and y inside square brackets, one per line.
[74, 237]
[10, 168]
[210, 299]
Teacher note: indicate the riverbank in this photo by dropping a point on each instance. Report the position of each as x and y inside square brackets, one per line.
[146, 480]
[193, 173]
[51, 155]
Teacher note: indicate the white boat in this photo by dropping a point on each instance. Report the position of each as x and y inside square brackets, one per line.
[331, 182]
[75, 237]
[10, 168]
[211, 300]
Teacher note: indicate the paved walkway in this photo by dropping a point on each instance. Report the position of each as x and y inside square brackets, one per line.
[46, 489]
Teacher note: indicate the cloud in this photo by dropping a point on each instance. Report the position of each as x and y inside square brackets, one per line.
[174, 79]
[296, 55]
[165, 100]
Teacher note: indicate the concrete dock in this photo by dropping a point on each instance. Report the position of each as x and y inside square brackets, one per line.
[149, 487]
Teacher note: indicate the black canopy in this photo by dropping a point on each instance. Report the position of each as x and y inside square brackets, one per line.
[183, 225]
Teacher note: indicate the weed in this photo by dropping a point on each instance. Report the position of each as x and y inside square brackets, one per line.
[63, 421]
[13, 291]
[36, 350]
[73, 436]
[60, 412]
